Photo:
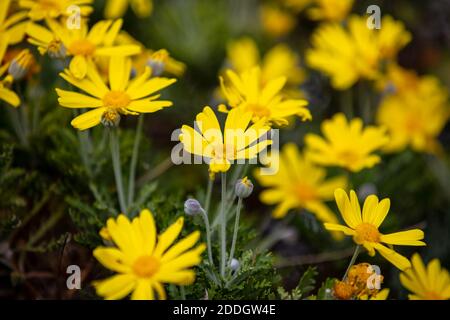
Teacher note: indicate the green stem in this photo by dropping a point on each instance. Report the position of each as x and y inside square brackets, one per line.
[115, 155]
[134, 158]
[223, 226]
[347, 103]
[236, 228]
[208, 236]
[183, 293]
[352, 261]
[208, 194]
[17, 126]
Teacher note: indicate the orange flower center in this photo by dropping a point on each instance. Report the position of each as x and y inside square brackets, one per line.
[366, 232]
[145, 266]
[82, 47]
[258, 110]
[432, 296]
[50, 5]
[116, 100]
[224, 151]
[348, 157]
[305, 193]
[413, 124]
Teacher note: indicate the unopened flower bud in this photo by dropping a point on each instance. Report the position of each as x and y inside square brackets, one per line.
[192, 207]
[19, 66]
[110, 118]
[243, 188]
[234, 264]
[157, 62]
[56, 50]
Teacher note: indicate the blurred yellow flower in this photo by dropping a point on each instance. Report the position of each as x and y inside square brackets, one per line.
[41, 9]
[143, 260]
[82, 44]
[121, 96]
[117, 8]
[12, 25]
[364, 228]
[299, 184]
[330, 10]
[426, 283]
[6, 94]
[159, 61]
[347, 54]
[415, 113]
[346, 144]
[262, 100]
[243, 55]
[238, 141]
[275, 21]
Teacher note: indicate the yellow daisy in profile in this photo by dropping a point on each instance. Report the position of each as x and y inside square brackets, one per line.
[347, 54]
[117, 8]
[299, 184]
[6, 94]
[364, 227]
[346, 144]
[143, 260]
[262, 100]
[243, 55]
[12, 25]
[159, 61]
[120, 96]
[402, 112]
[426, 283]
[239, 141]
[330, 10]
[41, 9]
[82, 44]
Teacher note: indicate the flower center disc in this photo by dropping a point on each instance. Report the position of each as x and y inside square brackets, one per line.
[116, 99]
[305, 193]
[82, 47]
[367, 232]
[146, 266]
[258, 110]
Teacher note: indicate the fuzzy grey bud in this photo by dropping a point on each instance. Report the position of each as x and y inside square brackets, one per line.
[243, 188]
[234, 264]
[192, 207]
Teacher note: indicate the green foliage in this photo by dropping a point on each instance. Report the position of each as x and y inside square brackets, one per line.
[305, 286]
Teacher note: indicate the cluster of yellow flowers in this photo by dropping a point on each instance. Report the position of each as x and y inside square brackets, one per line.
[112, 74]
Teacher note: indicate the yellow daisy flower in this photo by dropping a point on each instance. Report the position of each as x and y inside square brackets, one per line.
[159, 61]
[299, 184]
[275, 21]
[6, 94]
[117, 8]
[248, 93]
[41, 9]
[238, 141]
[364, 227]
[426, 283]
[12, 25]
[82, 44]
[120, 96]
[346, 144]
[143, 261]
[347, 54]
[330, 10]
[243, 55]
[409, 123]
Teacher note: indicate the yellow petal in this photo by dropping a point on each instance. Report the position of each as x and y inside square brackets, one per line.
[143, 291]
[115, 287]
[405, 238]
[88, 119]
[166, 239]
